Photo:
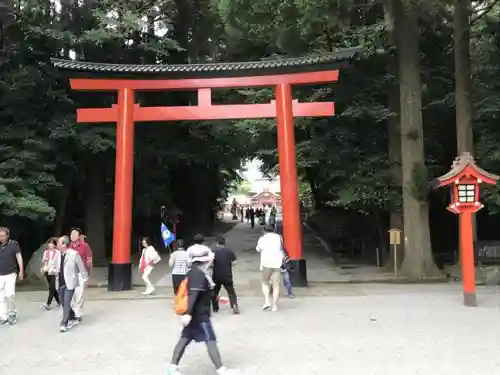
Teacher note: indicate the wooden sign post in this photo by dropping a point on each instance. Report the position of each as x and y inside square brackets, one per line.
[395, 240]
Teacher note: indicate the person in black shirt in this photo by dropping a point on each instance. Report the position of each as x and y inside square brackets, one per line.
[224, 261]
[251, 214]
[196, 321]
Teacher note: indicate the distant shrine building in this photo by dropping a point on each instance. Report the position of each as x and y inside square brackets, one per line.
[264, 192]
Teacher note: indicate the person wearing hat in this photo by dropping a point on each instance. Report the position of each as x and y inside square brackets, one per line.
[197, 324]
[179, 263]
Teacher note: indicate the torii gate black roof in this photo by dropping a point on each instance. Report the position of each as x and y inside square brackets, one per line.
[320, 62]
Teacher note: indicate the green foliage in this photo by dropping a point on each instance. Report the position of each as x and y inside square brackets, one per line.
[243, 187]
[341, 160]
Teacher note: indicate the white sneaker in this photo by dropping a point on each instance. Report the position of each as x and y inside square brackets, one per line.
[173, 370]
[265, 306]
[275, 308]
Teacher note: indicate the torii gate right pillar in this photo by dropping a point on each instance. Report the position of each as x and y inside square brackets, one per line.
[292, 227]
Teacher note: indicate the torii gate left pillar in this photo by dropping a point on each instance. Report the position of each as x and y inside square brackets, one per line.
[126, 112]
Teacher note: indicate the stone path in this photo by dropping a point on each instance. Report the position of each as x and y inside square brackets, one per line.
[378, 330]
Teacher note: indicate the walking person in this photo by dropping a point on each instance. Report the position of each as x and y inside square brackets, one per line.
[199, 247]
[149, 258]
[70, 272]
[285, 270]
[49, 268]
[224, 260]
[270, 247]
[11, 261]
[196, 319]
[179, 263]
[83, 249]
[272, 217]
[251, 214]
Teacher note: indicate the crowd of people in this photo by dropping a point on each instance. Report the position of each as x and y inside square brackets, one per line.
[67, 264]
[262, 214]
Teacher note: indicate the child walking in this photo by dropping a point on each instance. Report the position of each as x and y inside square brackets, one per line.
[149, 258]
[49, 269]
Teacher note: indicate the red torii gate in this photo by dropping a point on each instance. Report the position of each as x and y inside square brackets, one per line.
[285, 73]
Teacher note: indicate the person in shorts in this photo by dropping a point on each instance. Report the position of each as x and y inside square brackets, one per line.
[11, 261]
[196, 321]
[270, 247]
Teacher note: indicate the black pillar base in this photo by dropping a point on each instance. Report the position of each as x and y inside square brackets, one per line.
[119, 277]
[298, 273]
[470, 299]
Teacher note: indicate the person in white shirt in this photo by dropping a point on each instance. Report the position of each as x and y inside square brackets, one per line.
[270, 247]
[149, 258]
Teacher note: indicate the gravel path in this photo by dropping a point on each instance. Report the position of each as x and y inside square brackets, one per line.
[385, 330]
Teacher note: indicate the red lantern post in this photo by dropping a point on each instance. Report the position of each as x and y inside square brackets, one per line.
[464, 178]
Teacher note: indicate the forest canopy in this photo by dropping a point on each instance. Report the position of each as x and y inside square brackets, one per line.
[425, 88]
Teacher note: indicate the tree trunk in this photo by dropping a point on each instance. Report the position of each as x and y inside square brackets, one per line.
[65, 24]
[463, 106]
[394, 132]
[184, 30]
[418, 262]
[95, 212]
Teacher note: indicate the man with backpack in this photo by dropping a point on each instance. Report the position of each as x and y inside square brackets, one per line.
[193, 302]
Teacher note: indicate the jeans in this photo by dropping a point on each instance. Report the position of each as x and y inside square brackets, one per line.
[66, 296]
[51, 279]
[287, 281]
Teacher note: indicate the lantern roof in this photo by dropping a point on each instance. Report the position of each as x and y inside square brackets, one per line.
[269, 66]
[464, 165]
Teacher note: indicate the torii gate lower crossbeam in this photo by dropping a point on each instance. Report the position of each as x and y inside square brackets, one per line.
[126, 112]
